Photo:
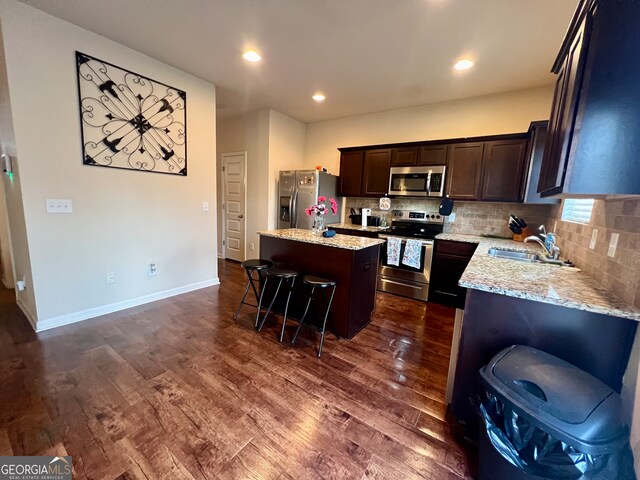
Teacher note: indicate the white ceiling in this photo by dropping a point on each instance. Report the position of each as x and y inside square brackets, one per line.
[365, 55]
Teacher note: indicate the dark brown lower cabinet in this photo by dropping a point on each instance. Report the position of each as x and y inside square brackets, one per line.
[449, 262]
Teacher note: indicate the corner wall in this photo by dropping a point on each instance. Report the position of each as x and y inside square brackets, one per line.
[122, 220]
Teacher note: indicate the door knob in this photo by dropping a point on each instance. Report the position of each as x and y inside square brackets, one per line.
[240, 216]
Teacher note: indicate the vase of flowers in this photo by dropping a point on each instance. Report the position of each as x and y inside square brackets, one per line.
[318, 211]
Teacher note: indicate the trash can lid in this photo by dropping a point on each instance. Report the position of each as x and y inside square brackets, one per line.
[558, 397]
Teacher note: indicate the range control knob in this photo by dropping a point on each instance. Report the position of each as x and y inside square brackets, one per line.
[438, 217]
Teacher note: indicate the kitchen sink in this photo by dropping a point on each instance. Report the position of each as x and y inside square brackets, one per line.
[510, 254]
[526, 257]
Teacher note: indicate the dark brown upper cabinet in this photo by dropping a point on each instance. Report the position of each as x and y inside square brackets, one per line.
[504, 165]
[404, 157]
[464, 171]
[375, 172]
[433, 155]
[351, 173]
[488, 168]
[594, 134]
[562, 120]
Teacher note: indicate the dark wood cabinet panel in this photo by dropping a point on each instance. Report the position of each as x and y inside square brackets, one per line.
[464, 172]
[354, 233]
[503, 170]
[450, 259]
[351, 173]
[563, 116]
[433, 155]
[404, 157]
[375, 172]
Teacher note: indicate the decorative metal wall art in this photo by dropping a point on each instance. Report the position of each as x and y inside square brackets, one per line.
[130, 121]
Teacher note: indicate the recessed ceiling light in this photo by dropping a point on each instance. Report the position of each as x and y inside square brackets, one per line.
[251, 56]
[319, 97]
[464, 64]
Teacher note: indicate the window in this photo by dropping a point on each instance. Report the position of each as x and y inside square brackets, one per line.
[577, 210]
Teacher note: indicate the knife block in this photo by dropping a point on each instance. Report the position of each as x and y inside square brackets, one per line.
[519, 237]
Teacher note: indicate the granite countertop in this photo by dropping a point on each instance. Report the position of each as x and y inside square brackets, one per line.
[360, 228]
[348, 242]
[568, 287]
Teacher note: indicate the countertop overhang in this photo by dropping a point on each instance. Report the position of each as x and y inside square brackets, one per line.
[347, 242]
[568, 287]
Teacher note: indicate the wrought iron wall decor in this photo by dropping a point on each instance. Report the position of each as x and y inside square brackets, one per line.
[130, 121]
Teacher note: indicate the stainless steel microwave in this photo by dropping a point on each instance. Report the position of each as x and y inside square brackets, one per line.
[417, 181]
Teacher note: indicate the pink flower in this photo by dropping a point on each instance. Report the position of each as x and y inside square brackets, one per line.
[308, 211]
[334, 205]
[322, 199]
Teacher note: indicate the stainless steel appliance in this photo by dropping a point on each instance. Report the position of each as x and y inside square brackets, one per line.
[403, 279]
[427, 181]
[297, 190]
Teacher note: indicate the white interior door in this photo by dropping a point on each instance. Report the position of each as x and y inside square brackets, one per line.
[234, 168]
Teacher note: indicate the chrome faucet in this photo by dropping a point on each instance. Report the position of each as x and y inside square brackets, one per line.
[554, 251]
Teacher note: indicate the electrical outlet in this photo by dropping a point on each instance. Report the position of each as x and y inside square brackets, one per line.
[111, 278]
[59, 206]
[252, 246]
[452, 217]
[613, 244]
[205, 206]
[594, 238]
[152, 270]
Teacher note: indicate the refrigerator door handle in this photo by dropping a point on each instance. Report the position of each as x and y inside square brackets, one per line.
[294, 209]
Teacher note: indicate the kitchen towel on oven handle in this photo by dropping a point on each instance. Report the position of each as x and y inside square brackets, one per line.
[393, 250]
[412, 253]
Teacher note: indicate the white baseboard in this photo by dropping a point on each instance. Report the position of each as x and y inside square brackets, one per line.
[27, 313]
[62, 320]
[220, 255]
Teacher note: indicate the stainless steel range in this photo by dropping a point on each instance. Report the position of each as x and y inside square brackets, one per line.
[409, 280]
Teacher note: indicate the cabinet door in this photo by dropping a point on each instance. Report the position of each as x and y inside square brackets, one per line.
[503, 170]
[434, 155]
[465, 171]
[404, 157]
[351, 173]
[446, 271]
[563, 115]
[375, 173]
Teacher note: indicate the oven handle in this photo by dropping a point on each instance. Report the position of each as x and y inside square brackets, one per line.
[404, 239]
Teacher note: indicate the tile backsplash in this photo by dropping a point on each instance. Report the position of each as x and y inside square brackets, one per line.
[473, 218]
[619, 274]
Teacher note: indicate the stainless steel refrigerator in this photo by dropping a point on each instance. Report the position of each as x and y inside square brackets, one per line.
[299, 189]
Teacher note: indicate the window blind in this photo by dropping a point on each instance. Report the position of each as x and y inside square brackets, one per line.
[577, 210]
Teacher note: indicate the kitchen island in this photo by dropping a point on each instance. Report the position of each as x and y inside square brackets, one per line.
[349, 260]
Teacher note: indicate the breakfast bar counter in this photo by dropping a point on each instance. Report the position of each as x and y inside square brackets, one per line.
[351, 261]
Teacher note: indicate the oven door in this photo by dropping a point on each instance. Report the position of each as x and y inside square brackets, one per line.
[403, 279]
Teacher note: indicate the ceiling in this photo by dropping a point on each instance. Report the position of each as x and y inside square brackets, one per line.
[364, 55]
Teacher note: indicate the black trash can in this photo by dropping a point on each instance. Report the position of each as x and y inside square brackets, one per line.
[543, 418]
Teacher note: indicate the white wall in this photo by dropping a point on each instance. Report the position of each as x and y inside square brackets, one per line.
[509, 112]
[6, 138]
[287, 139]
[273, 142]
[249, 133]
[122, 219]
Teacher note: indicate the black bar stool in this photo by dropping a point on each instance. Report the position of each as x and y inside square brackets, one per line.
[282, 274]
[253, 265]
[322, 283]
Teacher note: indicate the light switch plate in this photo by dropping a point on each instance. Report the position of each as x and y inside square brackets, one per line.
[613, 244]
[59, 205]
[205, 206]
[594, 238]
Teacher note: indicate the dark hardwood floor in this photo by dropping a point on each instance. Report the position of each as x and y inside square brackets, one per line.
[177, 389]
